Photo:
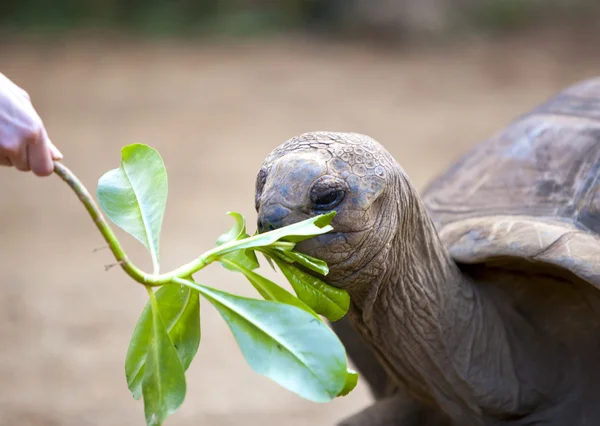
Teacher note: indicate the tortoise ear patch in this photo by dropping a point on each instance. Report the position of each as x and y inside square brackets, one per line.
[372, 187]
[365, 190]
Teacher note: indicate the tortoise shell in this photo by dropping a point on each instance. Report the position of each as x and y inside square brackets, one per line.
[530, 194]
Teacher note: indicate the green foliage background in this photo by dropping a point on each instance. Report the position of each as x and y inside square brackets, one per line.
[156, 16]
[243, 17]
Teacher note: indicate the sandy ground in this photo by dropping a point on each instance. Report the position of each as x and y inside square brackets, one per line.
[214, 112]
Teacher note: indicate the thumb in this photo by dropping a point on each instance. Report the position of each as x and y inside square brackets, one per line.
[56, 154]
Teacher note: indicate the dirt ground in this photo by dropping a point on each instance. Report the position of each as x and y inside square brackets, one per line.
[213, 112]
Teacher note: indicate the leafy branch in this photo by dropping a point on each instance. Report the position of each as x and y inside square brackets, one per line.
[282, 336]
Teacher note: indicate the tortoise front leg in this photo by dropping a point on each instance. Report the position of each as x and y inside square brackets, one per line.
[399, 409]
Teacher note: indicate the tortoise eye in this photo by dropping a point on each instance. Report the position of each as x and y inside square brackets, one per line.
[327, 192]
[328, 200]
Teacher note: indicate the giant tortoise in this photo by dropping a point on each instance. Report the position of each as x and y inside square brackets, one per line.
[476, 302]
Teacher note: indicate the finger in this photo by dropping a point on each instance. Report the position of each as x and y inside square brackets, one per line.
[39, 157]
[5, 161]
[9, 146]
[19, 159]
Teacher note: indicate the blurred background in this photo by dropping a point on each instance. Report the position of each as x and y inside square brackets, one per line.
[215, 85]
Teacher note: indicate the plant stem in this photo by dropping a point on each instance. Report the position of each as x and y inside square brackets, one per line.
[101, 223]
[133, 271]
[113, 243]
[152, 297]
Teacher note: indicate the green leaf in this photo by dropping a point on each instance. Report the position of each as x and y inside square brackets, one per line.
[331, 302]
[244, 257]
[312, 263]
[180, 310]
[134, 196]
[271, 291]
[295, 232]
[320, 222]
[237, 230]
[351, 382]
[270, 262]
[164, 385]
[284, 343]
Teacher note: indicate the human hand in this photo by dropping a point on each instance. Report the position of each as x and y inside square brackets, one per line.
[24, 142]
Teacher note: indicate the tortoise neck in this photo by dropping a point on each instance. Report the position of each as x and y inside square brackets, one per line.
[418, 306]
[415, 269]
[428, 323]
[420, 281]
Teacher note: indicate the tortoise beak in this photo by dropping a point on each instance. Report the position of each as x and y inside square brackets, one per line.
[271, 217]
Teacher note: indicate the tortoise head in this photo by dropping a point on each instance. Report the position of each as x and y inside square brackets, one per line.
[319, 172]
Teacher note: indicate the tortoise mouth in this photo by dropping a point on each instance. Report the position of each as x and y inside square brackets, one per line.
[318, 243]
[318, 247]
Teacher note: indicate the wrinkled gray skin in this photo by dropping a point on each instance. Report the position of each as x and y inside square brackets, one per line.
[434, 348]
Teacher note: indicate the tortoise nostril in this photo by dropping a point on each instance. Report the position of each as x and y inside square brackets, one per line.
[271, 218]
[264, 226]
